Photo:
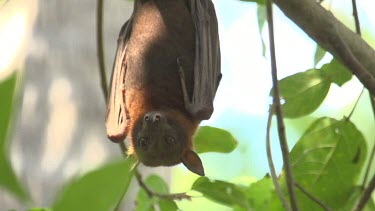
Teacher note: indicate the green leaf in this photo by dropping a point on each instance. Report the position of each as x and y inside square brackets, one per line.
[221, 192]
[303, 92]
[157, 185]
[261, 16]
[101, 189]
[144, 203]
[370, 206]
[211, 139]
[167, 205]
[319, 54]
[260, 193]
[354, 197]
[336, 72]
[8, 97]
[327, 161]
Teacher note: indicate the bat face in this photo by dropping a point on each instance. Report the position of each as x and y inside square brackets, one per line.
[158, 140]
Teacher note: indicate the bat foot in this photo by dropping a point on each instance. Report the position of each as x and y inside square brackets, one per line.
[200, 112]
[181, 73]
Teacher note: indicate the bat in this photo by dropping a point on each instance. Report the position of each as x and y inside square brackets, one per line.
[164, 80]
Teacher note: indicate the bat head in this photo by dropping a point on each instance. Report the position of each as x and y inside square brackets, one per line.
[160, 139]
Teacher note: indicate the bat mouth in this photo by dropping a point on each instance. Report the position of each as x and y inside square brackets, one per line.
[159, 160]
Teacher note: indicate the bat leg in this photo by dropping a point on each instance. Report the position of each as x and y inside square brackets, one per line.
[199, 110]
[183, 84]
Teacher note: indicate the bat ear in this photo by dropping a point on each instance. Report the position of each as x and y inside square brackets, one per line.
[192, 161]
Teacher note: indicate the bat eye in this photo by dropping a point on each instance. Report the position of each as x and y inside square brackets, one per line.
[170, 140]
[143, 142]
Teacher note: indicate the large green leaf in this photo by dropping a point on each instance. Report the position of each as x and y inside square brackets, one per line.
[327, 161]
[98, 190]
[370, 206]
[260, 193]
[221, 192]
[336, 72]
[157, 185]
[8, 97]
[210, 139]
[303, 92]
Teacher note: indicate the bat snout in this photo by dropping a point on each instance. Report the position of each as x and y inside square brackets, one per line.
[153, 117]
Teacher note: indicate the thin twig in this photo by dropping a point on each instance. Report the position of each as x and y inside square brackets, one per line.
[102, 71]
[365, 196]
[369, 165]
[358, 30]
[150, 193]
[123, 148]
[370, 188]
[356, 18]
[355, 105]
[100, 48]
[313, 198]
[270, 162]
[279, 115]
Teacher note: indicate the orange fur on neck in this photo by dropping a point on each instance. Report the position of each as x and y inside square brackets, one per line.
[137, 107]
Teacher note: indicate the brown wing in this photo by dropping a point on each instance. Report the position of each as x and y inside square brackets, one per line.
[207, 70]
[117, 116]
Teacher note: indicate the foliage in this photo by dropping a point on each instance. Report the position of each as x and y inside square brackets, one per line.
[8, 96]
[210, 139]
[310, 86]
[101, 189]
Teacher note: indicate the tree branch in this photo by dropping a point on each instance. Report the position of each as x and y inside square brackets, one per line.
[150, 193]
[279, 115]
[270, 162]
[366, 195]
[333, 36]
[100, 48]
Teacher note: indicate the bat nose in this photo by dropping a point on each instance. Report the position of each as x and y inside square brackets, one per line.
[153, 117]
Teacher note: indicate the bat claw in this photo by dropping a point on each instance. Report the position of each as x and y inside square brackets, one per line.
[179, 61]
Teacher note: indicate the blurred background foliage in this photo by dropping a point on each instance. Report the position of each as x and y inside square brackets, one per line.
[54, 152]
